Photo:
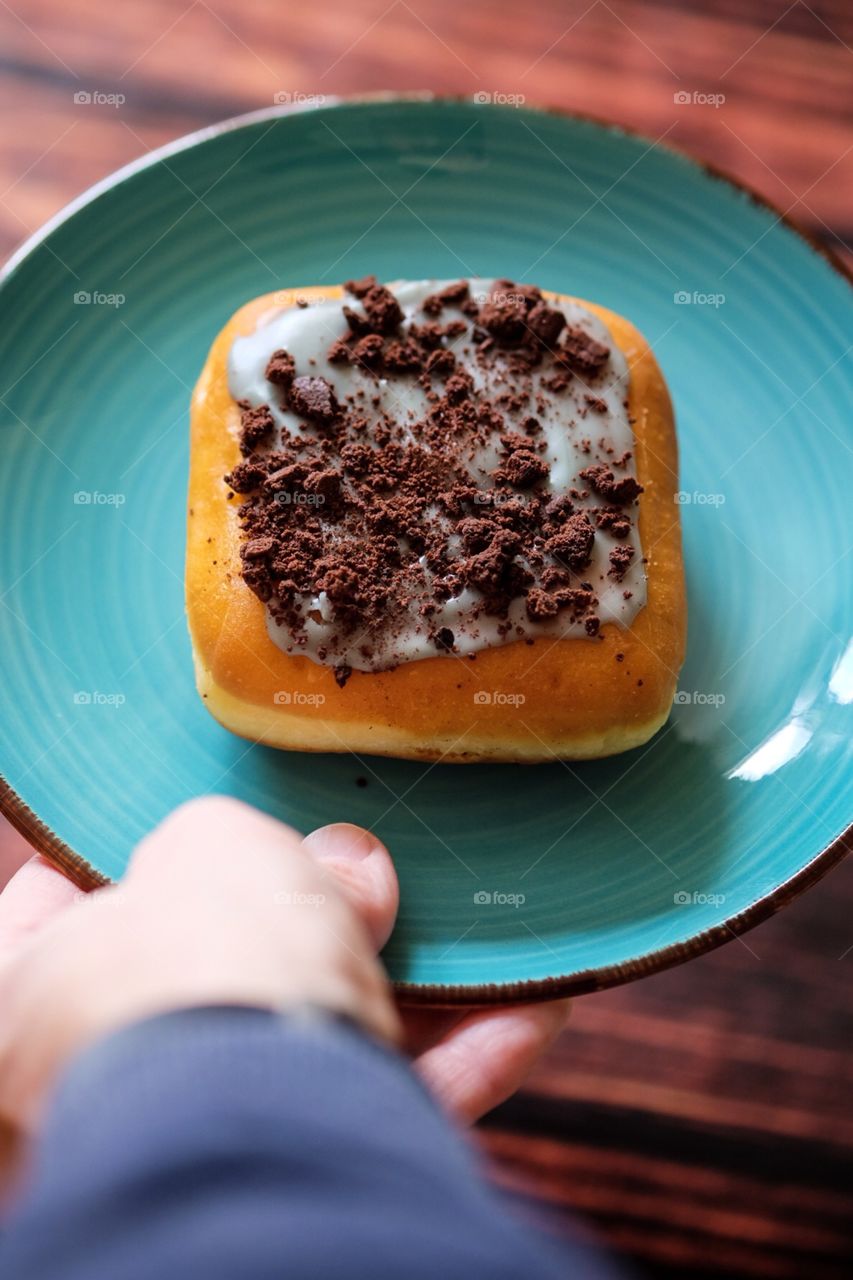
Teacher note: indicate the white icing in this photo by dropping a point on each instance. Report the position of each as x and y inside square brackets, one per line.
[307, 333]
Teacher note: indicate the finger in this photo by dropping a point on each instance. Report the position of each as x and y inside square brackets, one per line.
[362, 868]
[243, 861]
[218, 842]
[486, 1057]
[35, 895]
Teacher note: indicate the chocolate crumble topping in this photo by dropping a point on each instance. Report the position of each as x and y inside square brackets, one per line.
[381, 516]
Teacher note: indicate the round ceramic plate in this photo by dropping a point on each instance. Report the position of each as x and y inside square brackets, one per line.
[515, 880]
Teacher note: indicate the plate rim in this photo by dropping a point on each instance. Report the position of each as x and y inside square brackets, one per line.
[47, 843]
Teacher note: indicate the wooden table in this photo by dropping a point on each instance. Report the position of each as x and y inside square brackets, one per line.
[699, 1122]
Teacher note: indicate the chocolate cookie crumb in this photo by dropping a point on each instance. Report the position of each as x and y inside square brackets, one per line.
[620, 561]
[506, 320]
[257, 548]
[368, 350]
[540, 605]
[572, 546]
[280, 368]
[523, 469]
[603, 481]
[256, 425]
[583, 353]
[440, 363]
[545, 323]
[358, 288]
[314, 398]
[383, 310]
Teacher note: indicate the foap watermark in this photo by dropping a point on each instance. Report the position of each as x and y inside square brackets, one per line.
[501, 297]
[695, 298]
[697, 498]
[294, 498]
[493, 498]
[118, 893]
[286, 898]
[297, 698]
[289, 298]
[498, 99]
[94, 698]
[683, 898]
[96, 98]
[497, 698]
[696, 698]
[94, 498]
[697, 98]
[95, 298]
[505, 297]
[294, 98]
[497, 898]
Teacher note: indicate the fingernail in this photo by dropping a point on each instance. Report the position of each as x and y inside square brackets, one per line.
[341, 841]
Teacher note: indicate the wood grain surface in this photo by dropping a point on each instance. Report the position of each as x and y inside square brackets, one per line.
[698, 1122]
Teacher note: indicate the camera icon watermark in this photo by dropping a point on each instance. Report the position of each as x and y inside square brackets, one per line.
[683, 898]
[94, 698]
[497, 898]
[697, 698]
[87, 298]
[297, 698]
[94, 498]
[495, 98]
[695, 498]
[95, 98]
[497, 698]
[696, 98]
[287, 98]
[695, 298]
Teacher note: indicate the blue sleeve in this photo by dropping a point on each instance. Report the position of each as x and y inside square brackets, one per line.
[224, 1143]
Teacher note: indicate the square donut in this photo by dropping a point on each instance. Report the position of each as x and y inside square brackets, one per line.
[435, 520]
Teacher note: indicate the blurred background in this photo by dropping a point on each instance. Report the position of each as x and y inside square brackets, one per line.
[699, 1122]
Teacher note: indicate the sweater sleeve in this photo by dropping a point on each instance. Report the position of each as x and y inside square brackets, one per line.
[222, 1142]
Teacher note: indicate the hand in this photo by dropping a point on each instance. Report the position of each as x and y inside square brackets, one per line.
[222, 904]
[471, 1059]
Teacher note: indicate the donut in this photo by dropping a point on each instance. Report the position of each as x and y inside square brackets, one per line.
[435, 520]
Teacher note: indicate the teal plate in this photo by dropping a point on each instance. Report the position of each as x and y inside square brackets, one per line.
[516, 881]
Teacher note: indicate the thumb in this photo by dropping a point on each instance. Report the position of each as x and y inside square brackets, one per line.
[361, 867]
